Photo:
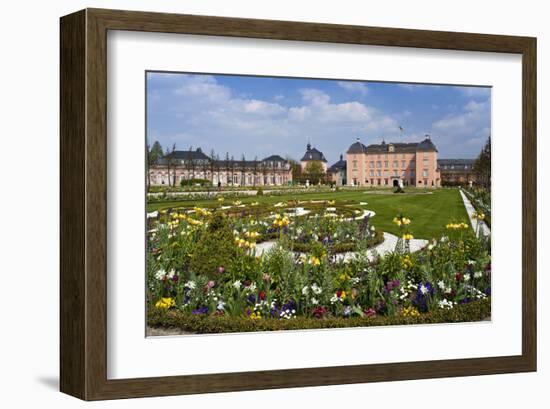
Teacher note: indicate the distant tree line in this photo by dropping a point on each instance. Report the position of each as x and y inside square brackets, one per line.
[482, 166]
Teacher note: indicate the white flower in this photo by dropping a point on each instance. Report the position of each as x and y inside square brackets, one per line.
[314, 301]
[372, 228]
[159, 275]
[190, 284]
[423, 289]
[252, 287]
[305, 290]
[220, 306]
[445, 304]
[478, 274]
[467, 277]
[430, 246]
[470, 262]
[237, 284]
[316, 289]
[441, 284]
[171, 274]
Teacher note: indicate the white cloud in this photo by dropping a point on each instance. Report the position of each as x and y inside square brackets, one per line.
[354, 86]
[413, 87]
[464, 130]
[475, 92]
[210, 115]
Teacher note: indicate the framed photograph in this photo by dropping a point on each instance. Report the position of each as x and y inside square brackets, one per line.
[270, 204]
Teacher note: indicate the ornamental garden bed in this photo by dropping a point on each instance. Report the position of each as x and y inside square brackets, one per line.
[204, 274]
[214, 324]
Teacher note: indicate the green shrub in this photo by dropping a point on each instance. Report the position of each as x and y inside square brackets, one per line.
[260, 192]
[215, 248]
[205, 324]
[193, 182]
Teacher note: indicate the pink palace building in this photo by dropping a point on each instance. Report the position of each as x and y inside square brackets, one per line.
[393, 164]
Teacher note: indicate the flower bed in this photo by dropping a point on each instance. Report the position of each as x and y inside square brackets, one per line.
[203, 262]
[204, 324]
[481, 200]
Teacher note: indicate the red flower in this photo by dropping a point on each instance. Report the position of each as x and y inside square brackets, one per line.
[319, 312]
[262, 295]
[339, 293]
[247, 283]
[370, 312]
[458, 276]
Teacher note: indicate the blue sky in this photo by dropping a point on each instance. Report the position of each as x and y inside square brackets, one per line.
[261, 116]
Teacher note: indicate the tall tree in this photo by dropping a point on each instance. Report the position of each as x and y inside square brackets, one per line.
[314, 172]
[243, 170]
[232, 164]
[192, 165]
[171, 165]
[482, 166]
[212, 166]
[227, 164]
[154, 153]
[254, 170]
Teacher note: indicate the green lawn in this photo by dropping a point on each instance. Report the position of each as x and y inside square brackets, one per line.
[429, 212]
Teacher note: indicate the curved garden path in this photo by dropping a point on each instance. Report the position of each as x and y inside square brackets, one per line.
[387, 246]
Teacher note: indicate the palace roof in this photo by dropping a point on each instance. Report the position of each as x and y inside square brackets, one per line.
[313, 154]
[340, 165]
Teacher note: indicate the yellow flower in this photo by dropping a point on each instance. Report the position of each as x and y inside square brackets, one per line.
[165, 303]
[343, 277]
[478, 215]
[406, 262]
[256, 315]
[281, 221]
[331, 202]
[314, 261]
[221, 199]
[456, 226]
[408, 236]
[410, 312]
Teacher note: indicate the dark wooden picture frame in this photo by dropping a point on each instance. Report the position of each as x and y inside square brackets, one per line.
[83, 161]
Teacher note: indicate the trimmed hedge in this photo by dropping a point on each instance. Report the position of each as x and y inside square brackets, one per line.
[208, 324]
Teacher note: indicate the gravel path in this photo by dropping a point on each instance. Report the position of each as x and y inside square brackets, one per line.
[388, 245]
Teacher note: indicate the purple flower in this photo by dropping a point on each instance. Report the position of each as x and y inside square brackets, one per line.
[423, 294]
[391, 285]
[347, 311]
[201, 310]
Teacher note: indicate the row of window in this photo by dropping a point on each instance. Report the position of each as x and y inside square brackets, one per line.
[387, 182]
[230, 163]
[397, 173]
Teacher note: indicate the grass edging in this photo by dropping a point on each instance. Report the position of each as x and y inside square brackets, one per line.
[204, 324]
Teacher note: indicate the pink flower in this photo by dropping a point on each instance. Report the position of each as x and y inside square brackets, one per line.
[370, 312]
[221, 269]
